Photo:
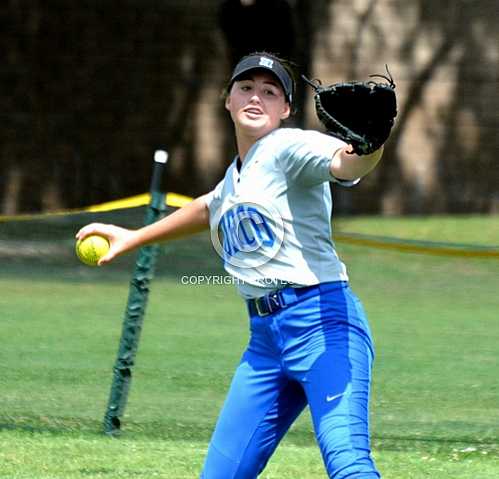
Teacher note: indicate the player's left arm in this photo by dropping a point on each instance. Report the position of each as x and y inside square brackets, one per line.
[350, 166]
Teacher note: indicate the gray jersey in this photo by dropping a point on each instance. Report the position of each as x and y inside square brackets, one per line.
[271, 221]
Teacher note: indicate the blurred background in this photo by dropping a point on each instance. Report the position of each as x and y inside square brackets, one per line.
[89, 89]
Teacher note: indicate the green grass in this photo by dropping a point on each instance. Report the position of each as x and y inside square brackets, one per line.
[473, 229]
[435, 401]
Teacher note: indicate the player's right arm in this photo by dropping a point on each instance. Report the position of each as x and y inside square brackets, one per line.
[190, 219]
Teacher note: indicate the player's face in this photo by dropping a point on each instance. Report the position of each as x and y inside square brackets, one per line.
[257, 104]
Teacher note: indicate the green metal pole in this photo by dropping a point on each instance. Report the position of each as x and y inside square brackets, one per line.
[136, 306]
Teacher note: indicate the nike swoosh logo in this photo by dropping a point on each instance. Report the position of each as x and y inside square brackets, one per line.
[332, 398]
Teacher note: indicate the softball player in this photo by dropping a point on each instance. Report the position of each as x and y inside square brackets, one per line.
[270, 219]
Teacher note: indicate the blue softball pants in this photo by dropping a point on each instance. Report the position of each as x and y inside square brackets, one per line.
[317, 351]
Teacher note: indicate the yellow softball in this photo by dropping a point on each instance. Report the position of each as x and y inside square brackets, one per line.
[91, 249]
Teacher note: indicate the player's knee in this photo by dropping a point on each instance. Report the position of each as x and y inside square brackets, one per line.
[252, 462]
[350, 464]
[220, 466]
[346, 453]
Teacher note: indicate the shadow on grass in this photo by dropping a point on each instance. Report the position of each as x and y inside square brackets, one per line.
[193, 431]
[436, 444]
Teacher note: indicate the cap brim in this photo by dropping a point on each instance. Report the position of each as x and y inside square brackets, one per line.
[261, 62]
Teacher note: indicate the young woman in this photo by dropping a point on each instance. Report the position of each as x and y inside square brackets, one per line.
[270, 219]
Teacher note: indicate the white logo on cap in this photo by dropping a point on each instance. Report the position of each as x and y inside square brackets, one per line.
[266, 62]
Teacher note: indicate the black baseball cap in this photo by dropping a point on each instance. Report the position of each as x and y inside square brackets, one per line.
[261, 61]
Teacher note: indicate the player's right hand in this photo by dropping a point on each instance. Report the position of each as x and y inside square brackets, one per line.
[120, 239]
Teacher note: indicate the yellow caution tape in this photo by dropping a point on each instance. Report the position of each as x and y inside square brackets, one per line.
[177, 201]
[421, 247]
[172, 199]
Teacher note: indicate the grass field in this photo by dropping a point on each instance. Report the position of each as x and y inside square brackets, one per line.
[435, 402]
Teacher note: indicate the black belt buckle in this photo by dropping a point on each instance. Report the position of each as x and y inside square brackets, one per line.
[268, 304]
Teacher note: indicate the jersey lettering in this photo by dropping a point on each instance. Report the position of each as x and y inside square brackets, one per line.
[245, 229]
